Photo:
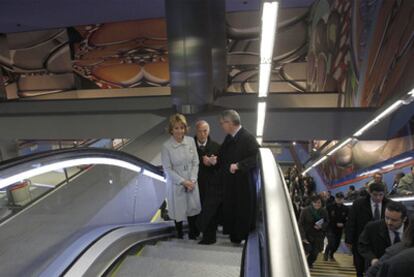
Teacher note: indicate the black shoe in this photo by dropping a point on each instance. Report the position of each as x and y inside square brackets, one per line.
[206, 242]
[236, 241]
[325, 256]
[332, 259]
[192, 237]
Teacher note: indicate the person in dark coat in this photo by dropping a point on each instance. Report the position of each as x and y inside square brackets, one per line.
[364, 210]
[313, 222]
[338, 215]
[237, 161]
[406, 243]
[401, 265]
[210, 188]
[379, 235]
[207, 150]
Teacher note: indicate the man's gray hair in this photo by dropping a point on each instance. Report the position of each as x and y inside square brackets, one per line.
[232, 116]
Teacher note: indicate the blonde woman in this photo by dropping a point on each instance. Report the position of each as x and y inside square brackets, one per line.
[180, 162]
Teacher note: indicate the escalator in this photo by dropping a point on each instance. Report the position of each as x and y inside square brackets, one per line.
[100, 224]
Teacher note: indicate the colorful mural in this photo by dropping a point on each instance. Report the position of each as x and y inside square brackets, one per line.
[388, 68]
[364, 154]
[122, 54]
[330, 64]
[36, 63]
[243, 46]
[363, 49]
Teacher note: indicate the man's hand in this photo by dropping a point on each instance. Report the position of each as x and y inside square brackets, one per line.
[317, 226]
[213, 160]
[374, 261]
[305, 241]
[233, 168]
[206, 160]
[339, 225]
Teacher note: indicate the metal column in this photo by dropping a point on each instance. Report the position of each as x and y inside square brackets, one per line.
[190, 44]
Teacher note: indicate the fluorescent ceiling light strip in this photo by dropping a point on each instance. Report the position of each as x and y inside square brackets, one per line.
[65, 164]
[379, 117]
[307, 170]
[336, 148]
[153, 175]
[269, 21]
[320, 161]
[369, 172]
[261, 115]
[396, 199]
[259, 140]
[411, 92]
[264, 79]
[403, 160]
[385, 167]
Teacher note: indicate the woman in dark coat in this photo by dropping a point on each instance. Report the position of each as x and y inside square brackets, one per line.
[313, 223]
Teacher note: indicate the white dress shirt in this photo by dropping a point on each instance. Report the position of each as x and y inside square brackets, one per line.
[392, 234]
[235, 133]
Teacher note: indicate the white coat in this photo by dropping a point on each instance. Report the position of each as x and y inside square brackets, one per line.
[180, 163]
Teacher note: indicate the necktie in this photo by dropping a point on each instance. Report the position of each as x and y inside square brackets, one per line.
[202, 147]
[397, 237]
[377, 215]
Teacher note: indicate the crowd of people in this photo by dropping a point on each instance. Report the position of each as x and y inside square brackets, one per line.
[210, 184]
[377, 230]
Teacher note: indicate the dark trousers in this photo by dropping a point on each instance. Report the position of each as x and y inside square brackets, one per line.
[209, 233]
[359, 261]
[193, 231]
[192, 228]
[334, 240]
[313, 252]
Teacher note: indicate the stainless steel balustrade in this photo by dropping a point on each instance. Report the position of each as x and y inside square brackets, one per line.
[284, 252]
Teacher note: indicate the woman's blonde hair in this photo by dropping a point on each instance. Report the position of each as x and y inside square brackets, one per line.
[177, 118]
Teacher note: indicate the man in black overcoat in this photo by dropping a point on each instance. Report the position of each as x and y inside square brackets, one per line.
[211, 191]
[237, 160]
[381, 234]
[364, 210]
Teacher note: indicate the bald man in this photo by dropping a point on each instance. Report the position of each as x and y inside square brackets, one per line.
[210, 190]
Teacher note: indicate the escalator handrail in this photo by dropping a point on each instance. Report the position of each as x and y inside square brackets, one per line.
[121, 238]
[276, 198]
[62, 154]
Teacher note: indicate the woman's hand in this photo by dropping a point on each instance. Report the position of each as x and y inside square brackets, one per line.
[189, 185]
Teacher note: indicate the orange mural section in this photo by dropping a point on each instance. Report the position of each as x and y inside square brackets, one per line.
[123, 54]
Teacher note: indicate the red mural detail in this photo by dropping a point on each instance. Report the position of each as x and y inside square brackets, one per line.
[391, 56]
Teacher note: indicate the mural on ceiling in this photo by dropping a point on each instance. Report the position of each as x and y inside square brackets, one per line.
[289, 67]
[389, 67]
[36, 63]
[331, 65]
[122, 54]
[363, 54]
[364, 154]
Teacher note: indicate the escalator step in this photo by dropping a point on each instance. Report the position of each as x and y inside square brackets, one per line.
[150, 266]
[183, 254]
[212, 247]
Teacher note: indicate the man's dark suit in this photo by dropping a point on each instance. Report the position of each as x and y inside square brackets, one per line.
[206, 174]
[211, 192]
[239, 201]
[359, 215]
[401, 265]
[373, 241]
